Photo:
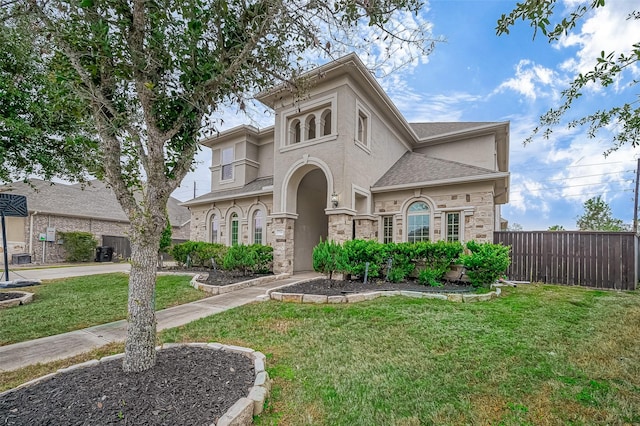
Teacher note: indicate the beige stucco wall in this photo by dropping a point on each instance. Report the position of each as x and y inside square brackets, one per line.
[479, 151]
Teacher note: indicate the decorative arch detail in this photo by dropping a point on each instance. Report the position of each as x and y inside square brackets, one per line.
[294, 175]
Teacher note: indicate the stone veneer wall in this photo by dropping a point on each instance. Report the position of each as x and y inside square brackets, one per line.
[366, 229]
[282, 229]
[53, 250]
[340, 227]
[478, 223]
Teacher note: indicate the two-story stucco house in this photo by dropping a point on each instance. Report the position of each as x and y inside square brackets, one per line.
[343, 163]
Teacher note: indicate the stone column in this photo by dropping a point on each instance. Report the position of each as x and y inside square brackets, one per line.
[282, 242]
[340, 227]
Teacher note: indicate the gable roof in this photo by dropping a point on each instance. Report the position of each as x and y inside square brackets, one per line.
[441, 128]
[415, 169]
[95, 201]
[257, 186]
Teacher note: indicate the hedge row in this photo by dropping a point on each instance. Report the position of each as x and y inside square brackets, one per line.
[254, 258]
[427, 261]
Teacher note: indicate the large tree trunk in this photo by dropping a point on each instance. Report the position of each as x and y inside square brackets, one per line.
[140, 353]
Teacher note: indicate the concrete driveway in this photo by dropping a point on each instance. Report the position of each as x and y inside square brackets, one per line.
[68, 271]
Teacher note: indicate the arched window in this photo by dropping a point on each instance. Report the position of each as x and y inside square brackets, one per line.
[363, 124]
[215, 229]
[418, 221]
[234, 229]
[258, 225]
[295, 132]
[326, 122]
[311, 128]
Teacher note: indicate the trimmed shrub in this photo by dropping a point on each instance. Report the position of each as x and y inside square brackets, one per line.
[359, 252]
[485, 262]
[402, 256]
[198, 253]
[78, 246]
[329, 257]
[241, 258]
[263, 257]
[431, 277]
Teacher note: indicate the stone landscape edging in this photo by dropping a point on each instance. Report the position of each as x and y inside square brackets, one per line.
[240, 414]
[221, 289]
[23, 300]
[275, 294]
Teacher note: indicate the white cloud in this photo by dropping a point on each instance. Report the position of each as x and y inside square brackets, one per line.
[531, 80]
[608, 30]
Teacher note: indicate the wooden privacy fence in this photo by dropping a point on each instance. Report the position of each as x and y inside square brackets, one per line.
[592, 259]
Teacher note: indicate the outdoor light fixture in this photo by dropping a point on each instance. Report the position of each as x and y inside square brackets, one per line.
[334, 200]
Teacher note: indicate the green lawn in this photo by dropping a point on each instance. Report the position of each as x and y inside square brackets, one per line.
[74, 303]
[539, 355]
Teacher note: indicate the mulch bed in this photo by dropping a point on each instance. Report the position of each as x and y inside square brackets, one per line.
[216, 276]
[187, 386]
[222, 278]
[327, 287]
[9, 295]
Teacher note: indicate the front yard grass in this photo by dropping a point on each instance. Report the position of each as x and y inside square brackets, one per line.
[539, 355]
[70, 304]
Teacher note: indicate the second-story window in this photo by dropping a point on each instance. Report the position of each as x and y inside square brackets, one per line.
[362, 135]
[311, 128]
[326, 122]
[227, 164]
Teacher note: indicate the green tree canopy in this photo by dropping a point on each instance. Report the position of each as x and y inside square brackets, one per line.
[556, 228]
[43, 130]
[548, 18]
[597, 216]
[151, 75]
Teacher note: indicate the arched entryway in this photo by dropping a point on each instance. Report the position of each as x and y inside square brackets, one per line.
[311, 224]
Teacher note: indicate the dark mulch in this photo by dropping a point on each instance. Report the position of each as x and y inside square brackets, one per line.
[324, 286]
[9, 295]
[216, 276]
[187, 386]
[222, 278]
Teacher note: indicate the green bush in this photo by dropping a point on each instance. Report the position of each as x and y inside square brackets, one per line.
[329, 257]
[241, 258]
[431, 277]
[485, 262]
[263, 257]
[359, 252]
[403, 263]
[198, 253]
[78, 246]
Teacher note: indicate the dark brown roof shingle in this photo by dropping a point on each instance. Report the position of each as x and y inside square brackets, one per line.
[413, 167]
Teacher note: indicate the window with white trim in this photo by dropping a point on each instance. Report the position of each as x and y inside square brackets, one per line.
[215, 229]
[258, 226]
[418, 222]
[226, 160]
[362, 135]
[453, 226]
[387, 229]
[235, 223]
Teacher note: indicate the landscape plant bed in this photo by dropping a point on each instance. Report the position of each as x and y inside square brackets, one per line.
[188, 385]
[9, 295]
[327, 287]
[217, 277]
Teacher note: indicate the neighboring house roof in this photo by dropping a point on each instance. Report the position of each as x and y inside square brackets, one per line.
[95, 201]
[416, 168]
[428, 130]
[255, 187]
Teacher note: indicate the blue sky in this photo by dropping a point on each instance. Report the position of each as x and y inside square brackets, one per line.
[477, 76]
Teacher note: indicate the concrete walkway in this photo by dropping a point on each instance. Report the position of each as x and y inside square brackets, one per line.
[74, 343]
[50, 273]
